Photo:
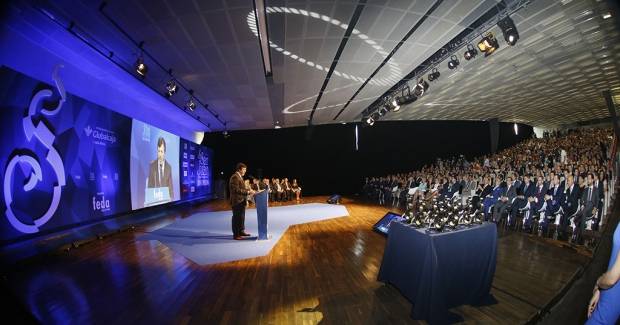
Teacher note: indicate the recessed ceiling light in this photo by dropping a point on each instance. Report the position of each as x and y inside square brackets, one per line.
[606, 15]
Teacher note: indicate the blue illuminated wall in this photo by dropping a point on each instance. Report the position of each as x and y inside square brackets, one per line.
[66, 161]
[196, 173]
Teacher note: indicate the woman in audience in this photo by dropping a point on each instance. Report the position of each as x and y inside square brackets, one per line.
[296, 189]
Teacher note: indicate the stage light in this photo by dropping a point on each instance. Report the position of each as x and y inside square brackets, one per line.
[395, 105]
[420, 88]
[191, 104]
[382, 111]
[141, 67]
[454, 62]
[470, 53]
[370, 121]
[434, 75]
[511, 35]
[171, 88]
[406, 98]
[488, 44]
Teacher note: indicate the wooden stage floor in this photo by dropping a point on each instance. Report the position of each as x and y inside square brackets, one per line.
[322, 272]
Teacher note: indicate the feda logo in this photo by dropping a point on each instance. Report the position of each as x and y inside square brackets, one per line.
[100, 203]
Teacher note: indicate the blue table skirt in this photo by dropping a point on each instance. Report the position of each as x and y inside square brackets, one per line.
[438, 271]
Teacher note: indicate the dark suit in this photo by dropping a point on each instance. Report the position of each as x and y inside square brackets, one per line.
[501, 206]
[589, 201]
[601, 198]
[159, 179]
[238, 196]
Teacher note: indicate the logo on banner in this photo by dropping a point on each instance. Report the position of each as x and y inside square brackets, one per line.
[100, 203]
[30, 163]
[88, 130]
[100, 134]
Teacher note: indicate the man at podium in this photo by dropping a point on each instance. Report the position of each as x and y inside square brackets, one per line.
[238, 195]
[160, 172]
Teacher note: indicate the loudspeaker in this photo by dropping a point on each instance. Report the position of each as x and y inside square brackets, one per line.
[334, 199]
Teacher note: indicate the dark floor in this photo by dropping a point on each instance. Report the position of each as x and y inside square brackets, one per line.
[319, 272]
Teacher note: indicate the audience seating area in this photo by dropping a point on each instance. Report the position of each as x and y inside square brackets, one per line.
[559, 186]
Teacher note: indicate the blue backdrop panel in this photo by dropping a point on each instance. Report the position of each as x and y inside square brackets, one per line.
[64, 160]
[195, 170]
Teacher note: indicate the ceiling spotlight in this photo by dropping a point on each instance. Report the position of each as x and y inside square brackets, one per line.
[470, 53]
[395, 106]
[277, 125]
[511, 35]
[406, 97]
[370, 121]
[141, 67]
[171, 88]
[420, 88]
[434, 75]
[454, 62]
[382, 111]
[488, 44]
[191, 104]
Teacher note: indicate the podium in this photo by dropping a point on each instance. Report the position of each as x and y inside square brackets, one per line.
[156, 195]
[262, 199]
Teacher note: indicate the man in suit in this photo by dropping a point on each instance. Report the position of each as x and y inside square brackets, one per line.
[553, 200]
[506, 200]
[238, 196]
[598, 185]
[160, 172]
[490, 200]
[589, 203]
[571, 202]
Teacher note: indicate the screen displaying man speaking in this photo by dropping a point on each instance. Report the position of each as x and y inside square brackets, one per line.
[154, 166]
[160, 172]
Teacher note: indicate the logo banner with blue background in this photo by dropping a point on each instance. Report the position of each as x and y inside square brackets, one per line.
[64, 160]
[195, 170]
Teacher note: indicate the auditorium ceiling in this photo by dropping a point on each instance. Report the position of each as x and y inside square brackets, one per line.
[567, 54]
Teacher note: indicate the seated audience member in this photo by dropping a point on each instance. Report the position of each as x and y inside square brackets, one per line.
[588, 208]
[296, 189]
[286, 187]
[255, 184]
[249, 198]
[278, 190]
[504, 204]
[264, 185]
